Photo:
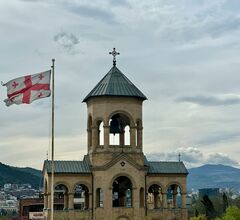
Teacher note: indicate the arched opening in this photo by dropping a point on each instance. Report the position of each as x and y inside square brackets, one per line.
[174, 197]
[154, 197]
[127, 135]
[117, 124]
[122, 192]
[99, 197]
[89, 130]
[100, 133]
[81, 197]
[60, 197]
[141, 196]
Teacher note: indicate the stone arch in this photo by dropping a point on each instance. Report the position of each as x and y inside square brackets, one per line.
[117, 121]
[62, 183]
[123, 217]
[81, 197]
[174, 183]
[87, 184]
[134, 184]
[122, 191]
[98, 131]
[124, 113]
[155, 196]
[61, 191]
[157, 183]
[97, 121]
[174, 195]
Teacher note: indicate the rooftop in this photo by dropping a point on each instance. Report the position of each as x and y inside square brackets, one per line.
[115, 83]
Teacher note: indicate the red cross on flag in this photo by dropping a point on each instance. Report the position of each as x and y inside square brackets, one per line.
[28, 88]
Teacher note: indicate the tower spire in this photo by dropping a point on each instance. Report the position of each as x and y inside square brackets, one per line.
[114, 53]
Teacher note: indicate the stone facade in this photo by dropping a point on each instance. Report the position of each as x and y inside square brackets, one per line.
[115, 181]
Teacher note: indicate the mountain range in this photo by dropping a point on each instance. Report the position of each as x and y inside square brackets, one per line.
[211, 176]
[206, 176]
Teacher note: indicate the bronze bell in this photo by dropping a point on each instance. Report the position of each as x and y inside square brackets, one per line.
[115, 126]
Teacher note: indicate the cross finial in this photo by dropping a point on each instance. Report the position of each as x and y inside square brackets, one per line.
[179, 157]
[114, 53]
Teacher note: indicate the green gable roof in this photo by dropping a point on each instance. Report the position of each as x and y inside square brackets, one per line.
[66, 166]
[115, 83]
[166, 167]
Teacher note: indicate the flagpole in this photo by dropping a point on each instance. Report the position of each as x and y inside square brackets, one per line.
[52, 178]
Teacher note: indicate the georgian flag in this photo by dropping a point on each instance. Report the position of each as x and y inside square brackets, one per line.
[28, 88]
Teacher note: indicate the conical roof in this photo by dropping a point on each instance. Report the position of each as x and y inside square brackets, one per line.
[115, 83]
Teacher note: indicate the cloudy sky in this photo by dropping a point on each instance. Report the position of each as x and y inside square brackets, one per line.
[182, 54]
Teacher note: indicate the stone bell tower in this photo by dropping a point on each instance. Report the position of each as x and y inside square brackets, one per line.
[115, 181]
[114, 118]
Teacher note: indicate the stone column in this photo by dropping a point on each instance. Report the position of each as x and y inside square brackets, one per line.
[90, 198]
[49, 201]
[106, 135]
[45, 200]
[135, 197]
[183, 200]
[139, 137]
[174, 197]
[70, 201]
[155, 202]
[94, 138]
[121, 138]
[89, 132]
[164, 196]
[65, 201]
[133, 137]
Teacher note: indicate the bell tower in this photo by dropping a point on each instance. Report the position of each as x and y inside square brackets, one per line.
[114, 118]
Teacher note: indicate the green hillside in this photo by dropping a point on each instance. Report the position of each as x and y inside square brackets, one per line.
[9, 174]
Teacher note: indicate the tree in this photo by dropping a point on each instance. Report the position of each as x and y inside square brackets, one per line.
[200, 217]
[209, 208]
[225, 202]
[233, 213]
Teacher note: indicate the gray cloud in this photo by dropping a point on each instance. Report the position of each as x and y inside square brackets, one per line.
[220, 158]
[67, 41]
[92, 12]
[122, 3]
[218, 137]
[189, 155]
[193, 157]
[210, 100]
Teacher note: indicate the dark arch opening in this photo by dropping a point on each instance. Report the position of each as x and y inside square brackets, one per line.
[60, 197]
[81, 197]
[122, 192]
[154, 199]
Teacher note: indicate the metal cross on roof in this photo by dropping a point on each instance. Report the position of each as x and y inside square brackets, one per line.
[179, 157]
[114, 53]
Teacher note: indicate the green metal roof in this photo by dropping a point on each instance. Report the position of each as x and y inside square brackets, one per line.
[115, 83]
[67, 166]
[166, 167]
